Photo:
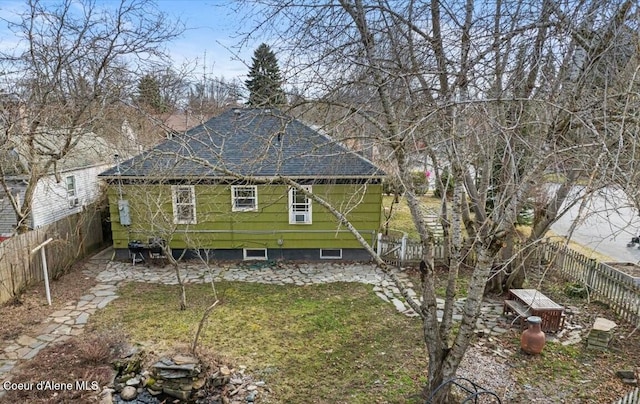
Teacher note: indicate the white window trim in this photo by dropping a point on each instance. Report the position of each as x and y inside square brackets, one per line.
[324, 257]
[174, 190]
[247, 258]
[234, 208]
[309, 212]
[72, 194]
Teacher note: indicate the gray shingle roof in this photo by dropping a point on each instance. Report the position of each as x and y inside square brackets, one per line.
[249, 142]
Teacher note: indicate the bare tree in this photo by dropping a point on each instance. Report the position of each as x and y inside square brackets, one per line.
[74, 65]
[155, 226]
[497, 93]
[210, 96]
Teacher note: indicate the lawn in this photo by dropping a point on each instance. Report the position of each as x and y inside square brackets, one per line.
[331, 343]
[401, 219]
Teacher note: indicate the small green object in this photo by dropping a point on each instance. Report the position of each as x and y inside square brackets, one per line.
[576, 290]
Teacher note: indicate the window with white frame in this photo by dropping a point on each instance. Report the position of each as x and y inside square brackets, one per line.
[244, 198]
[254, 253]
[299, 206]
[331, 253]
[72, 193]
[184, 204]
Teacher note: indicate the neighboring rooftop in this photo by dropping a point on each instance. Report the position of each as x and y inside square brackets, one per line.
[249, 142]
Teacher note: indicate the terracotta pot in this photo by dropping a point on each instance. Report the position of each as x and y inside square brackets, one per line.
[533, 338]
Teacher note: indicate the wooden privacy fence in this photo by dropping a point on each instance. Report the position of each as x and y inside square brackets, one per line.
[73, 237]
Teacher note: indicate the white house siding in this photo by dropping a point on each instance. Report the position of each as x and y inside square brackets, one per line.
[8, 218]
[51, 202]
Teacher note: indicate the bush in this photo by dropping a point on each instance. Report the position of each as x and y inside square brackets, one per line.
[526, 215]
[447, 180]
[391, 187]
[576, 290]
[101, 348]
[419, 182]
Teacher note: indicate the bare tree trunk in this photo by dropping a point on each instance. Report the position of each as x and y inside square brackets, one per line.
[183, 291]
[204, 317]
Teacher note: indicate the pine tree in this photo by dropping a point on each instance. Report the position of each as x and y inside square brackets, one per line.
[265, 82]
[149, 96]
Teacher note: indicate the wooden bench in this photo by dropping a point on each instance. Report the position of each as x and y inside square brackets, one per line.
[517, 308]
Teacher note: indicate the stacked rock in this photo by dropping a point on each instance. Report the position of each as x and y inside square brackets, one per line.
[600, 334]
[177, 377]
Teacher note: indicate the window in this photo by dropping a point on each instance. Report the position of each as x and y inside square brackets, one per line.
[244, 198]
[331, 254]
[184, 204]
[255, 253]
[72, 194]
[299, 206]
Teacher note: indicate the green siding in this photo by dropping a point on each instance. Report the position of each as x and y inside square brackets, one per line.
[217, 226]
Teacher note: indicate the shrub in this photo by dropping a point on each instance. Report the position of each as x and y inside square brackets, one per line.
[101, 348]
[419, 182]
[576, 290]
[447, 180]
[391, 187]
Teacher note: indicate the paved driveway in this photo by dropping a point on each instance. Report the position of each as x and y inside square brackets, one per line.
[608, 222]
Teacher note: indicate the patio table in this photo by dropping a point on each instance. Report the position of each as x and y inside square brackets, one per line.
[538, 304]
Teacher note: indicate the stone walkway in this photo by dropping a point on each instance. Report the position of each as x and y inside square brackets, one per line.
[63, 324]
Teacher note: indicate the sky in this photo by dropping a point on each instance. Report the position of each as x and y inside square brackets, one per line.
[211, 36]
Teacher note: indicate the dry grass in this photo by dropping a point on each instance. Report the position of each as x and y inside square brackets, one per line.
[84, 358]
[26, 314]
[586, 251]
[401, 219]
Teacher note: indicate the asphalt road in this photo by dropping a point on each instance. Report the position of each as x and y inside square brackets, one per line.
[607, 224]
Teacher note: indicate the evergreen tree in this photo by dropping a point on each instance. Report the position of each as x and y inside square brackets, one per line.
[149, 96]
[265, 83]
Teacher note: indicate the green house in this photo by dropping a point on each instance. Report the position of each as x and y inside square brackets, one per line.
[240, 186]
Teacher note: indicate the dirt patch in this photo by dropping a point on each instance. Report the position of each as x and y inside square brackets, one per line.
[29, 310]
[628, 268]
[569, 374]
[68, 372]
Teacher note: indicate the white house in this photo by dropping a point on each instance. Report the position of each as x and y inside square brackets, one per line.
[55, 197]
[66, 190]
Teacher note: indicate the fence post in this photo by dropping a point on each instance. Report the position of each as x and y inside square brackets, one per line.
[403, 248]
[379, 245]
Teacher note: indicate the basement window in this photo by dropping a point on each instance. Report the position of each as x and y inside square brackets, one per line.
[254, 254]
[331, 253]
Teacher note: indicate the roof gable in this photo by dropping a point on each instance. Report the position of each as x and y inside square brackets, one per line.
[249, 142]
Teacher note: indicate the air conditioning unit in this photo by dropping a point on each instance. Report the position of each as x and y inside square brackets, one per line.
[73, 202]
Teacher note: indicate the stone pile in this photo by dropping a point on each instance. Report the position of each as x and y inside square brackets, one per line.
[177, 377]
[600, 334]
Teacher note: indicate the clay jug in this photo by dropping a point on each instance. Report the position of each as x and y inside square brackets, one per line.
[533, 339]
